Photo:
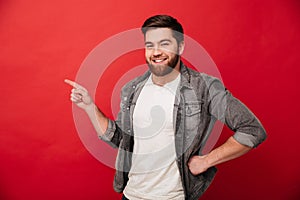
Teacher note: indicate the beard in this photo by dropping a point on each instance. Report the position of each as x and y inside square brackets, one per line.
[163, 69]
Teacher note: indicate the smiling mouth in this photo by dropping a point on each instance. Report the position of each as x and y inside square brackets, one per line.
[159, 60]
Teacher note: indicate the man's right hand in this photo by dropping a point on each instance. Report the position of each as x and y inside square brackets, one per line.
[80, 96]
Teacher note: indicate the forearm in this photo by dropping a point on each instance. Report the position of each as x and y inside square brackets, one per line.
[231, 149]
[98, 119]
[249, 131]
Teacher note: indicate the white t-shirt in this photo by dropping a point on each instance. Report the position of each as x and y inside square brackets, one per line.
[154, 173]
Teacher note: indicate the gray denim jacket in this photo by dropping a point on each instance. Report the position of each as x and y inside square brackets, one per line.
[200, 101]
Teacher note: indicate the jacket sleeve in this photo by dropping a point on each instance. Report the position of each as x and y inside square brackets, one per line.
[114, 134]
[225, 107]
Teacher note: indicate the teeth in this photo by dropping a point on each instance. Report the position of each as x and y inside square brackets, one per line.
[158, 60]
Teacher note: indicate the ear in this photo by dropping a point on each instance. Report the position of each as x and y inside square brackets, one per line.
[181, 47]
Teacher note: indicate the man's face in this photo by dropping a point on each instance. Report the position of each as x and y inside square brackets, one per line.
[162, 51]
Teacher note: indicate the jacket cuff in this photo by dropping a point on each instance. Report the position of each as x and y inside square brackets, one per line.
[109, 133]
[246, 139]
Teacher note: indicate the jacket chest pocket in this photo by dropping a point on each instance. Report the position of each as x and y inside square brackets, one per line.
[192, 115]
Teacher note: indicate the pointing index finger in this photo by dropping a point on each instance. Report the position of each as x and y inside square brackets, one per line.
[73, 84]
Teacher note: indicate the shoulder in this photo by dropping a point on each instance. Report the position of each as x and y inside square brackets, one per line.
[201, 78]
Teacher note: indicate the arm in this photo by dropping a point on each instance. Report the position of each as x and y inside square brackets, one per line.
[82, 99]
[229, 150]
[249, 132]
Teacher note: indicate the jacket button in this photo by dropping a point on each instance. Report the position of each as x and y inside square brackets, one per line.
[188, 111]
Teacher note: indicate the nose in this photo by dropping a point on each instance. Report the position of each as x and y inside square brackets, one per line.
[156, 51]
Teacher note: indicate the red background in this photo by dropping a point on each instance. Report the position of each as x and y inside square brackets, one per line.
[255, 45]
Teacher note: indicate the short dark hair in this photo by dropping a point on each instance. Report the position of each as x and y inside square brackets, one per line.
[164, 21]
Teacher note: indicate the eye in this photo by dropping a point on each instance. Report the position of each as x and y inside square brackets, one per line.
[164, 44]
[148, 46]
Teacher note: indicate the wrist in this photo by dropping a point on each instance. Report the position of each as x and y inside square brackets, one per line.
[91, 108]
[207, 161]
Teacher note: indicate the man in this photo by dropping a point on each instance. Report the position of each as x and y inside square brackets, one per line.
[165, 118]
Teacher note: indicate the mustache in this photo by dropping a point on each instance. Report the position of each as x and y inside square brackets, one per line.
[158, 56]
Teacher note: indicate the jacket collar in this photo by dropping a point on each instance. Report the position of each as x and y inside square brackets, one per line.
[185, 81]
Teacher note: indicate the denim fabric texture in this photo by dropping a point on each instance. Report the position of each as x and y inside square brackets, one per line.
[200, 101]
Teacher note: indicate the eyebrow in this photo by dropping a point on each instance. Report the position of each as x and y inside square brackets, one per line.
[163, 40]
